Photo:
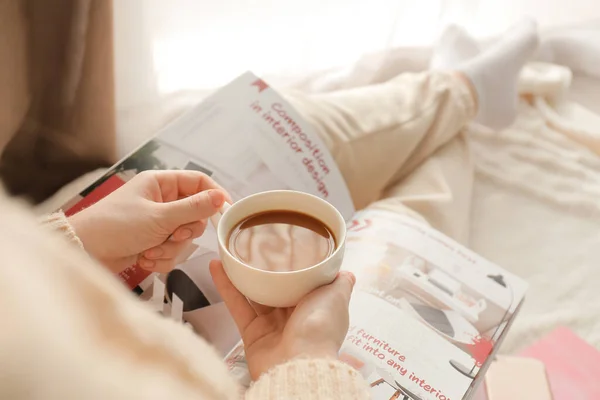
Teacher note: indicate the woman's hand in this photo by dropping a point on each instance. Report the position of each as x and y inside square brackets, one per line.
[315, 328]
[150, 219]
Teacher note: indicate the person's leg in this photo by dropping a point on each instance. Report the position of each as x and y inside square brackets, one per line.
[381, 135]
[493, 72]
[377, 134]
[438, 191]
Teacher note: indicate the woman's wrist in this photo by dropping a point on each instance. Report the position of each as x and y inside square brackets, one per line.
[79, 229]
[58, 222]
[87, 228]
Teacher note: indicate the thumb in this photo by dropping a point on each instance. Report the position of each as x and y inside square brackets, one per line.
[193, 208]
[343, 285]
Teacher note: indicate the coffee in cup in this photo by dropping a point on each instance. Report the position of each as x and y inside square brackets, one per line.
[281, 241]
[278, 246]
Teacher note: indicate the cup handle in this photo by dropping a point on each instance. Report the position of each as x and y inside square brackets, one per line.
[217, 216]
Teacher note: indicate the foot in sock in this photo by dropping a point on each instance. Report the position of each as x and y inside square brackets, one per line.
[494, 73]
[454, 47]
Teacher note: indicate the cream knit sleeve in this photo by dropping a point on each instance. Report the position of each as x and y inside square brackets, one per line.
[59, 222]
[75, 332]
[310, 379]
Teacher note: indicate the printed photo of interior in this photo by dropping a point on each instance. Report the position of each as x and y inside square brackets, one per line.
[469, 314]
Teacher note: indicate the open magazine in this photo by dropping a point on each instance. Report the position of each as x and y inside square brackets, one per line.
[427, 313]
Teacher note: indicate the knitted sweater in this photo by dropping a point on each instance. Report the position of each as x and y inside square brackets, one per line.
[71, 331]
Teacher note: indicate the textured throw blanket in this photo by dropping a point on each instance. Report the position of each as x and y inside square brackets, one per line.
[537, 208]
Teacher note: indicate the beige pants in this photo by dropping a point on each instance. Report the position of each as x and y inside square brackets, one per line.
[400, 146]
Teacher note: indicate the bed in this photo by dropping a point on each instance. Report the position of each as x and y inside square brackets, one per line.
[536, 208]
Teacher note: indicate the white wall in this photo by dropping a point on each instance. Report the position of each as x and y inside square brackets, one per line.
[186, 44]
[164, 47]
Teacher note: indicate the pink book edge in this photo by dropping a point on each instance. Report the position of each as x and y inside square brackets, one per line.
[572, 365]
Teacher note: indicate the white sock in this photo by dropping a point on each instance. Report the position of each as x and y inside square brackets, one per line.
[494, 74]
[454, 47]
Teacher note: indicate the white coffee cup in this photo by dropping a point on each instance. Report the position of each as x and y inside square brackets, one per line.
[273, 288]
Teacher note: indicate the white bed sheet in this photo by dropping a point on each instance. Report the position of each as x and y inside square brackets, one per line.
[556, 248]
[555, 251]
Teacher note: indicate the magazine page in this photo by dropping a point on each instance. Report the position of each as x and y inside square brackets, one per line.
[426, 312]
[249, 140]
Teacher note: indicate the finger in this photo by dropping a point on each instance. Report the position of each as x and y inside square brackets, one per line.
[160, 266]
[189, 231]
[261, 309]
[343, 284]
[166, 251]
[182, 183]
[192, 209]
[241, 311]
[338, 290]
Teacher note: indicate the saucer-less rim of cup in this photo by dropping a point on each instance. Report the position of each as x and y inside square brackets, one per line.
[338, 240]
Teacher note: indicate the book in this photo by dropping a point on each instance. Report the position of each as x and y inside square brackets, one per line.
[517, 378]
[427, 314]
[572, 365]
